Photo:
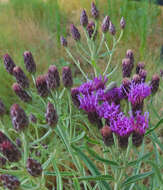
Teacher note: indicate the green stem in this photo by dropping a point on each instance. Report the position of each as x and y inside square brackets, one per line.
[82, 48]
[70, 113]
[25, 146]
[101, 42]
[77, 63]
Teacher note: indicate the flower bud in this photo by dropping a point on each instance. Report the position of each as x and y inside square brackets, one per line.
[137, 139]
[18, 143]
[122, 23]
[90, 30]
[51, 115]
[130, 55]
[112, 29]
[75, 33]
[74, 95]
[10, 151]
[21, 93]
[143, 75]
[32, 118]
[19, 118]
[126, 67]
[63, 41]
[52, 78]
[33, 167]
[9, 182]
[136, 79]
[155, 83]
[21, 78]
[107, 135]
[2, 109]
[29, 62]
[9, 63]
[2, 161]
[67, 77]
[83, 18]
[94, 118]
[125, 87]
[123, 141]
[94, 11]
[140, 66]
[105, 24]
[41, 86]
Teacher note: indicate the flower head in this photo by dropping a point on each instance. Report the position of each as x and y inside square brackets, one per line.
[83, 18]
[122, 125]
[138, 93]
[94, 11]
[29, 62]
[9, 63]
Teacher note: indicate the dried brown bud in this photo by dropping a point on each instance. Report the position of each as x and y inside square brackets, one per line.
[139, 66]
[122, 23]
[34, 167]
[136, 79]
[126, 67]
[155, 83]
[130, 55]
[74, 95]
[21, 78]
[51, 115]
[137, 139]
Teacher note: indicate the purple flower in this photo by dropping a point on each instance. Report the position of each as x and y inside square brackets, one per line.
[138, 93]
[108, 111]
[89, 102]
[140, 122]
[93, 85]
[122, 126]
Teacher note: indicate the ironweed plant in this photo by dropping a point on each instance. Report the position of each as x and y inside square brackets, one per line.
[93, 136]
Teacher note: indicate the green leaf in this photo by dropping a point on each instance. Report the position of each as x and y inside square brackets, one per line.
[137, 177]
[156, 169]
[92, 141]
[90, 165]
[76, 184]
[63, 174]
[156, 140]
[79, 137]
[96, 178]
[59, 178]
[97, 157]
[156, 126]
[132, 163]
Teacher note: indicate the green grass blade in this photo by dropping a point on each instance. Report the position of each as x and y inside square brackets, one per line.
[59, 178]
[156, 126]
[96, 178]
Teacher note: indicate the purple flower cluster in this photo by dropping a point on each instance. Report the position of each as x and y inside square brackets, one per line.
[101, 101]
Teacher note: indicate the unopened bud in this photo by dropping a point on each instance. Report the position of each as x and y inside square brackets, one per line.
[90, 30]
[83, 18]
[41, 86]
[136, 79]
[155, 83]
[9, 63]
[143, 75]
[63, 41]
[75, 33]
[140, 66]
[74, 95]
[21, 78]
[29, 62]
[107, 135]
[105, 24]
[130, 55]
[126, 67]
[112, 29]
[34, 167]
[2, 109]
[94, 11]
[67, 77]
[9, 182]
[51, 115]
[122, 23]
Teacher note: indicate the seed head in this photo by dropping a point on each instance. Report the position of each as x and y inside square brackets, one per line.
[51, 115]
[94, 11]
[112, 29]
[21, 78]
[29, 62]
[19, 118]
[2, 109]
[105, 24]
[75, 33]
[9, 63]
[52, 78]
[122, 23]
[21, 93]
[10, 182]
[67, 77]
[41, 86]
[155, 83]
[63, 41]
[83, 18]
[34, 167]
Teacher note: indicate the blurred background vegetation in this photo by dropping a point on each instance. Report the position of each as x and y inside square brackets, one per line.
[36, 25]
